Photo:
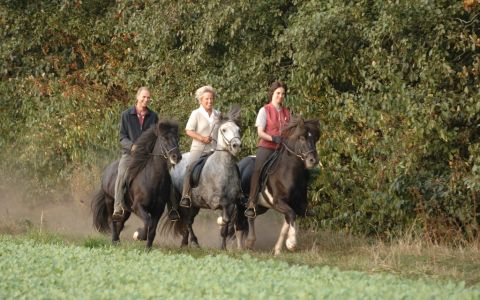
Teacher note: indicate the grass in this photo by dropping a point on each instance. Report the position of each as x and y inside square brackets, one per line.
[407, 257]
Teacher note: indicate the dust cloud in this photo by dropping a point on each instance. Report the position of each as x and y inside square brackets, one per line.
[70, 216]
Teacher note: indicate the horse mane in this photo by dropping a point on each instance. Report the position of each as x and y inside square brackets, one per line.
[312, 126]
[234, 114]
[145, 144]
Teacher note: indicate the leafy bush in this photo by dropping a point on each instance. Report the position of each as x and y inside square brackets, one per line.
[395, 85]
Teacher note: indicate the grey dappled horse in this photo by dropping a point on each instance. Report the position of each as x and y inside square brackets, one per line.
[285, 189]
[219, 183]
[148, 183]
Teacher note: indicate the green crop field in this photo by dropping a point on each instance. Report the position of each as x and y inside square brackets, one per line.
[32, 269]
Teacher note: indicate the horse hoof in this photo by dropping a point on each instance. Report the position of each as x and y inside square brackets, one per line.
[249, 244]
[135, 235]
[291, 244]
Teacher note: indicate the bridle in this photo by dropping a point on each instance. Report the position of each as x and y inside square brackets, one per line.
[299, 154]
[164, 152]
[228, 142]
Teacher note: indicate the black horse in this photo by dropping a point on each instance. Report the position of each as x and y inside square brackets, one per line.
[285, 182]
[148, 183]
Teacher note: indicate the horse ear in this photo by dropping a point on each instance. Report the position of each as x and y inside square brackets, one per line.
[235, 113]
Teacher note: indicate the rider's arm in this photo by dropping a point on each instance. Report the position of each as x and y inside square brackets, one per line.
[194, 135]
[261, 123]
[124, 136]
[262, 134]
[191, 129]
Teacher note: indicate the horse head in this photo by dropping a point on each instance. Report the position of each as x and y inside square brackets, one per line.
[300, 137]
[229, 138]
[168, 141]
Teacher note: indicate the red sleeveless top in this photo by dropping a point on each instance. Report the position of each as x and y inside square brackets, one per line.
[275, 122]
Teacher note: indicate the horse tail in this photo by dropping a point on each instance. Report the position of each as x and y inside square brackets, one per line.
[100, 212]
[168, 228]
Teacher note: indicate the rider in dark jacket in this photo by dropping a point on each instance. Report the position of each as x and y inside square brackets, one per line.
[134, 121]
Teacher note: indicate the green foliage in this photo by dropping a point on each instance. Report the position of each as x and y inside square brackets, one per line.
[395, 85]
[52, 271]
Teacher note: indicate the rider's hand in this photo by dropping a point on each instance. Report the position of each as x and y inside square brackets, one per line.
[206, 139]
[134, 147]
[276, 139]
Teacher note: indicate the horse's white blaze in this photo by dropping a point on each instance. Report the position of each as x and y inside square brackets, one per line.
[291, 242]
[281, 238]
[135, 235]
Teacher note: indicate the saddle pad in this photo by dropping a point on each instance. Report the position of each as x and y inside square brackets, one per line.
[197, 169]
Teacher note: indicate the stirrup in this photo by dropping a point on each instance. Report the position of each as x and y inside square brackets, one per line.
[186, 198]
[173, 210]
[254, 212]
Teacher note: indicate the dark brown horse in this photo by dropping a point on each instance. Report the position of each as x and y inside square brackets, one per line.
[148, 184]
[285, 188]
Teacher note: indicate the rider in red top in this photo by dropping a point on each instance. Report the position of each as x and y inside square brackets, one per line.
[270, 120]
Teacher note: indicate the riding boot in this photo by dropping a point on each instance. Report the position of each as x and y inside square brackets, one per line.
[186, 201]
[120, 189]
[173, 215]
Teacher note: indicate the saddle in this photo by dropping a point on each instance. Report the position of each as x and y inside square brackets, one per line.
[197, 169]
[266, 168]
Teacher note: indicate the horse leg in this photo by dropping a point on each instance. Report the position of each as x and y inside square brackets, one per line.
[251, 237]
[152, 230]
[224, 234]
[146, 218]
[240, 237]
[184, 238]
[288, 228]
[224, 222]
[281, 238]
[118, 226]
[193, 237]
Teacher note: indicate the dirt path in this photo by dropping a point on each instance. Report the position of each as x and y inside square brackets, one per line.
[73, 217]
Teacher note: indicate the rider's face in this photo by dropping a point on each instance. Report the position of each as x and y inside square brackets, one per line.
[143, 99]
[207, 100]
[278, 96]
